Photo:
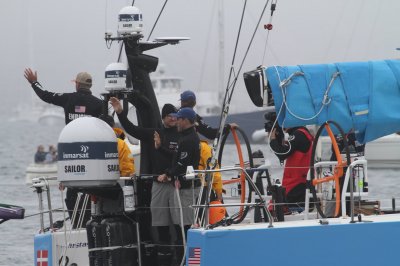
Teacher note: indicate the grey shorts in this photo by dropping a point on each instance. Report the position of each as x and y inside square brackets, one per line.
[162, 203]
[188, 198]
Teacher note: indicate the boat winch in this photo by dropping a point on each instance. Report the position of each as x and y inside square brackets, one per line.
[87, 154]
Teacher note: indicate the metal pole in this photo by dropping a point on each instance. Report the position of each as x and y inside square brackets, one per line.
[139, 248]
[350, 168]
[39, 192]
[260, 196]
[49, 205]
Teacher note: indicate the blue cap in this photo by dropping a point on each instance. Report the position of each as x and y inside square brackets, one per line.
[186, 112]
[188, 95]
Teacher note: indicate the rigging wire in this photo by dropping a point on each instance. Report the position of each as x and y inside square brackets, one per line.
[353, 30]
[248, 47]
[236, 45]
[230, 87]
[105, 15]
[229, 92]
[335, 31]
[373, 28]
[269, 28]
[120, 52]
[225, 107]
[158, 17]
[201, 76]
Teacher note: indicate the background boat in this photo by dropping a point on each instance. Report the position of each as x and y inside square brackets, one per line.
[38, 112]
[380, 153]
[45, 170]
[52, 116]
[169, 87]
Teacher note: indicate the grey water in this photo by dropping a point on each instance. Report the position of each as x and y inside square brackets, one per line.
[17, 147]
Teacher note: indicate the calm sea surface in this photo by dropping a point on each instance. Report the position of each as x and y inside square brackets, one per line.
[18, 142]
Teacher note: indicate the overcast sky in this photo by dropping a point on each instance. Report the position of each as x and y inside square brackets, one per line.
[61, 38]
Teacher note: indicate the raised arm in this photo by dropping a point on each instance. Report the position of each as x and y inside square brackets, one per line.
[116, 104]
[30, 76]
[141, 133]
[46, 96]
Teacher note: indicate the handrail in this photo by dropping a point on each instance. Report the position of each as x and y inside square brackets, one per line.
[241, 161]
[359, 162]
[228, 205]
[250, 181]
[41, 183]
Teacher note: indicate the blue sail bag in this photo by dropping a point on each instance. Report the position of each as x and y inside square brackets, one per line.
[360, 96]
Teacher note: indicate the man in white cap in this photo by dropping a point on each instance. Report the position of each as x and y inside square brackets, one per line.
[75, 104]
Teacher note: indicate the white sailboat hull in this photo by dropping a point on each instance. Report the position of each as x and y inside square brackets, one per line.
[380, 153]
[46, 170]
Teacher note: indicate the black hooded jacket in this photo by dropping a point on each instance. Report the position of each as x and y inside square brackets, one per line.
[75, 104]
[188, 154]
[162, 157]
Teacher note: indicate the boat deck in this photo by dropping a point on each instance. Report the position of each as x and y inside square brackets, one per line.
[336, 242]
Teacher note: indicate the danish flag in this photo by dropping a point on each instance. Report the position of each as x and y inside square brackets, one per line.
[42, 258]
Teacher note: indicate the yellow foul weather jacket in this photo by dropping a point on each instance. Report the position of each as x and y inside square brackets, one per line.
[126, 162]
[205, 153]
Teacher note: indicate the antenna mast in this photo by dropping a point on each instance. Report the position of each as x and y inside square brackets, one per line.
[221, 54]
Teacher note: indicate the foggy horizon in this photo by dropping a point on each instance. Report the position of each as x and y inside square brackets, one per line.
[61, 38]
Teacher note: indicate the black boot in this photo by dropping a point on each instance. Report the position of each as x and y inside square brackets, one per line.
[177, 254]
[164, 255]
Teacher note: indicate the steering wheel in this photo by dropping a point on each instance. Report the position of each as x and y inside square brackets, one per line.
[242, 180]
[338, 170]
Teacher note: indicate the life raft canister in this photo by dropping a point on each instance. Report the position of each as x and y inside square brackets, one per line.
[216, 214]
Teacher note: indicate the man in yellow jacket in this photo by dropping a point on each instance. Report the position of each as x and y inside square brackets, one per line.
[215, 214]
[205, 154]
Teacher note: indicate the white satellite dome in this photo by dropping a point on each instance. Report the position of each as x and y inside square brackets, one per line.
[87, 154]
[130, 21]
[115, 77]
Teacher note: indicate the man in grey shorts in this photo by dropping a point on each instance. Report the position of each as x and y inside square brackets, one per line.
[164, 141]
[188, 154]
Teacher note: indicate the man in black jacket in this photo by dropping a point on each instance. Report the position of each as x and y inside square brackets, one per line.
[75, 104]
[164, 142]
[168, 134]
[188, 154]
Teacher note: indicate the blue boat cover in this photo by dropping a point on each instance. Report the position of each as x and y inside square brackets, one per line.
[364, 97]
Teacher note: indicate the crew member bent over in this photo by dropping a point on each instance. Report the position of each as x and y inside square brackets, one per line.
[297, 153]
